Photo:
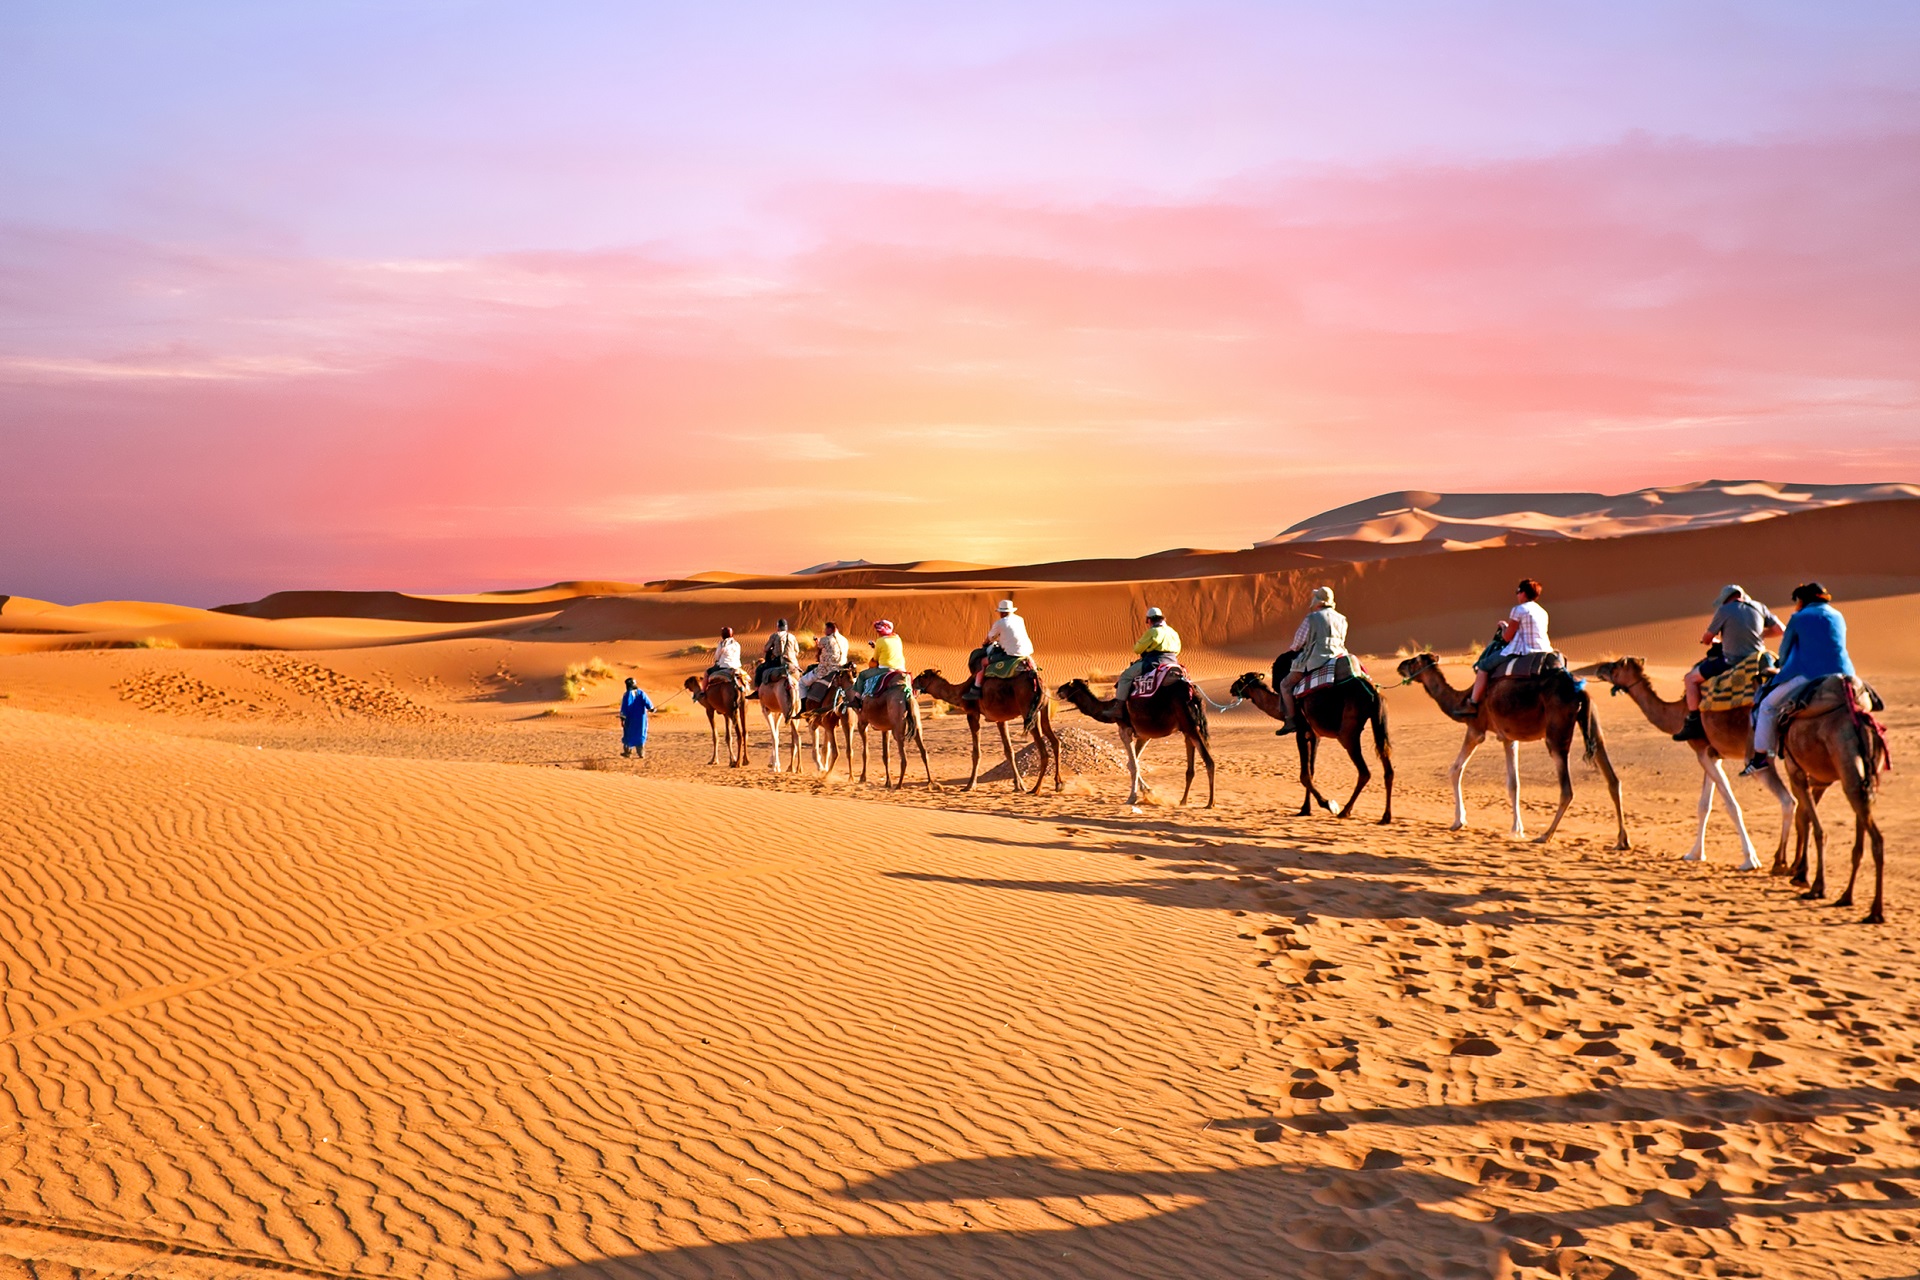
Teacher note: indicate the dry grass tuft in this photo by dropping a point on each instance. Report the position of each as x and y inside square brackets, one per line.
[691, 650]
[155, 642]
[1096, 676]
[582, 676]
[600, 764]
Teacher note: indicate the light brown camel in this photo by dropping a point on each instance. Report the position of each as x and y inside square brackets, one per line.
[721, 697]
[825, 708]
[1175, 707]
[1340, 711]
[1833, 742]
[892, 711]
[1522, 709]
[1021, 698]
[779, 700]
[1729, 737]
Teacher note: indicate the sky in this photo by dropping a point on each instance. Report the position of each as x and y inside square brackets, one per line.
[443, 296]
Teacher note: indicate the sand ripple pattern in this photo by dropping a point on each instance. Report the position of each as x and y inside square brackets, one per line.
[181, 694]
[341, 694]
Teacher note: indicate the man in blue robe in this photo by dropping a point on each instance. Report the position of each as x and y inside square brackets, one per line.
[634, 705]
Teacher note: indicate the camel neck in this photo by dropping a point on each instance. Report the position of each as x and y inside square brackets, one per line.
[1668, 716]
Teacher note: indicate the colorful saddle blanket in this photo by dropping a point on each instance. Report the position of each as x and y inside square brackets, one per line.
[879, 680]
[1148, 682]
[1739, 684]
[1341, 669]
[1008, 667]
[771, 672]
[1522, 665]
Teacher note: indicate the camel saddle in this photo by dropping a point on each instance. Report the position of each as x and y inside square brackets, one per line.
[1342, 669]
[893, 679]
[1832, 693]
[772, 673]
[1148, 682]
[1737, 686]
[1009, 667]
[1523, 665]
[726, 675]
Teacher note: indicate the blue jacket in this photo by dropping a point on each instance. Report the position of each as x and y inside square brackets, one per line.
[1815, 645]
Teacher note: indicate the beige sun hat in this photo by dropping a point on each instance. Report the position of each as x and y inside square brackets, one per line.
[1323, 596]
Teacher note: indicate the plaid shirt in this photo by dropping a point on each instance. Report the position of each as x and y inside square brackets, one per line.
[1532, 635]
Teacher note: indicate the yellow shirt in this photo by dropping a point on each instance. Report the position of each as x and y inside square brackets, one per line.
[889, 652]
[1159, 639]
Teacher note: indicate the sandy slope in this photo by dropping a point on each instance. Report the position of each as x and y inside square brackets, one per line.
[280, 1007]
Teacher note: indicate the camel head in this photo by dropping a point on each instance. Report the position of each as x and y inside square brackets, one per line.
[695, 686]
[1076, 692]
[1418, 665]
[1247, 683]
[924, 682]
[1622, 673]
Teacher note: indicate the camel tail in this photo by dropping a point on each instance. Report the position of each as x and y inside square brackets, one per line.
[1380, 747]
[1198, 703]
[1590, 734]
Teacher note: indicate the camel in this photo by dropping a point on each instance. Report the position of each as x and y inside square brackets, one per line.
[1338, 711]
[722, 698]
[779, 700]
[825, 707]
[891, 711]
[1729, 737]
[1021, 698]
[1175, 707]
[1517, 710]
[1821, 747]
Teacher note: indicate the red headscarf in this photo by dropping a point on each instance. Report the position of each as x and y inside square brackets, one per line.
[884, 627]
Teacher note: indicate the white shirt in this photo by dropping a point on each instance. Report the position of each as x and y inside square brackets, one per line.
[1010, 633]
[727, 653]
[1531, 637]
[831, 650]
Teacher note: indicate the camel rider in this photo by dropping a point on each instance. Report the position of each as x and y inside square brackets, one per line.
[1159, 644]
[1006, 638]
[1320, 638]
[1522, 631]
[726, 659]
[829, 655]
[1742, 626]
[782, 647]
[888, 655]
[1815, 648]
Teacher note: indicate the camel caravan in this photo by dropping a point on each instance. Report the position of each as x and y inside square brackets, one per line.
[1799, 724]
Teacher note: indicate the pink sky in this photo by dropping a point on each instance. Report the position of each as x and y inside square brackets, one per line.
[452, 299]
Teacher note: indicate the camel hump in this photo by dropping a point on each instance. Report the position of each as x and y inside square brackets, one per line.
[1831, 693]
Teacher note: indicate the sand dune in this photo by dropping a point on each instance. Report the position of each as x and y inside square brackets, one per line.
[1458, 520]
[346, 944]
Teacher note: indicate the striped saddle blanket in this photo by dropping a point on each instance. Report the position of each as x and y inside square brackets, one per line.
[1345, 667]
[1738, 685]
[1149, 681]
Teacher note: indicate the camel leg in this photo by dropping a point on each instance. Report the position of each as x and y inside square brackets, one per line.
[1188, 789]
[1305, 741]
[1513, 784]
[1605, 765]
[1006, 745]
[973, 726]
[1783, 795]
[1457, 770]
[1816, 881]
[1749, 859]
[773, 728]
[1350, 739]
[1384, 749]
[713, 732]
[920, 741]
[1132, 746]
[1705, 810]
[863, 755]
[1206, 758]
[1052, 741]
[1566, 789]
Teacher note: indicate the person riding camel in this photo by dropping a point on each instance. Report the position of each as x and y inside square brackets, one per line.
[1741, 627]
[781, 649]
[889, 654]
[1158, 645]
[1006, 638]
[726, 659]
[829, 655]
[1320, 638]
[1815, 648]
[1522, 631]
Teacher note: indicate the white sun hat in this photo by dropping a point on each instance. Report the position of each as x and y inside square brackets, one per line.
[1006, 606]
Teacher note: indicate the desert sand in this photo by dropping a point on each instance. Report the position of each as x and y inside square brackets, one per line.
[338, 942]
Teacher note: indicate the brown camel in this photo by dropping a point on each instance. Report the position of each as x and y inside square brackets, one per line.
[825, 707]
[779, 700]
[1021, 698]
[1833, 742]
[893, 712]
[1175, 707]
[1729, 737]
[1339, 711]
[1522, 709]
[721, 697]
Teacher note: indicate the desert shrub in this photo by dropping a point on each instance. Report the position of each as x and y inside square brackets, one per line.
[155, 642]
[599, 764]
[582, 676]
[691, 650]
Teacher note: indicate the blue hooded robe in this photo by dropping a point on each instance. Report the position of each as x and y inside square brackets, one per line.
[634, 705]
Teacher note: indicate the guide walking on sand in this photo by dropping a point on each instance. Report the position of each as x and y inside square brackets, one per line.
[634, 706]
